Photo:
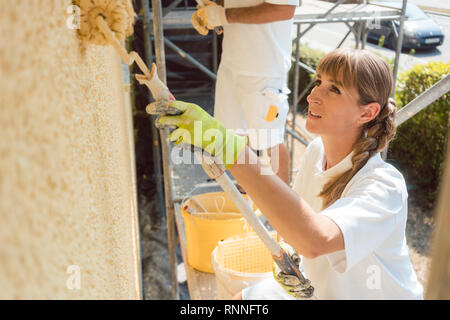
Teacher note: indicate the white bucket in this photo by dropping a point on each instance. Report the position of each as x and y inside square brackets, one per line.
[240, 262]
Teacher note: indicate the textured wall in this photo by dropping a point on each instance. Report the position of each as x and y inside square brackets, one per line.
[67, 186]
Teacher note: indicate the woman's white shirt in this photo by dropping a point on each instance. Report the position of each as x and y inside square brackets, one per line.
[371, 214]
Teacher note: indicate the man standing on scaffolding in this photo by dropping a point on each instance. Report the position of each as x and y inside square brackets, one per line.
[251, 88]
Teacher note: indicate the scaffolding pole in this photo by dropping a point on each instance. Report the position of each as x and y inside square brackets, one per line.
[156, 152]
[423, 100]
[295, 100]
[189, 58]
[167, 166]
[398, 50]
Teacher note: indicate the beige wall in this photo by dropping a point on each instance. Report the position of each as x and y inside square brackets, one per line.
[67, 186]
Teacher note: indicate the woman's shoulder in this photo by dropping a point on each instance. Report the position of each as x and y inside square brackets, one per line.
[379, 172]
[377, 166]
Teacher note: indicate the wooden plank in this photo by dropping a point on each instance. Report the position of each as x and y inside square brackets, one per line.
[439, 276]
[201, 285]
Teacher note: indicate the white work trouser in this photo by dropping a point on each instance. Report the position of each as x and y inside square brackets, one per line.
[253, 106]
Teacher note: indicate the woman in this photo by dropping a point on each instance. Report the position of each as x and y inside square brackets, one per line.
[346, 214]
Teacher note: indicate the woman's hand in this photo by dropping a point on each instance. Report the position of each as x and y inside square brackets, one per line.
[196, 127]
[291, 284]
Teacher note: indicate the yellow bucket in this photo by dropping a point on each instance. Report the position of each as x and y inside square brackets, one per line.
[208, 219]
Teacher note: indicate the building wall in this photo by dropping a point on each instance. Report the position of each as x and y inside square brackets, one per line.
[68, 213]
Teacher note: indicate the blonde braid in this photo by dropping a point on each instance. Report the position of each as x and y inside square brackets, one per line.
[374, 137]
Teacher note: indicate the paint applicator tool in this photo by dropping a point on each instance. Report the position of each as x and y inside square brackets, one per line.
[284, 261]
[108, 22]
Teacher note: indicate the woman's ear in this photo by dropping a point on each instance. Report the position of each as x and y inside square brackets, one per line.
[369, 112]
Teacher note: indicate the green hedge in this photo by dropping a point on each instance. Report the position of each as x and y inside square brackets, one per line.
[419, 145]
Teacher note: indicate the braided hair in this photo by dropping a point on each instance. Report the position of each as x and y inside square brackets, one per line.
[372, 78]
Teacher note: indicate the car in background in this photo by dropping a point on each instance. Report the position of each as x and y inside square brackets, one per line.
[419, 30]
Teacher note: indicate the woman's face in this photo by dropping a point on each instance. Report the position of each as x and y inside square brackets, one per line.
[333, 109]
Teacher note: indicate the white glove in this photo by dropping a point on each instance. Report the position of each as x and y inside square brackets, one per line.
[214, 16]
[208, 17]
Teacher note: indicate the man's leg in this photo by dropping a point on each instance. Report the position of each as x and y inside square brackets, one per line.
[279, 159]
[258, 96]
[227, 108]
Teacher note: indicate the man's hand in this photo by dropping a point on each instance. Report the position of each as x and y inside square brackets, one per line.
[196, 127]
[208, 17]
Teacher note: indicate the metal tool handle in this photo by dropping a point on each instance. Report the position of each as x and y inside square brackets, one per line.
[281, 258]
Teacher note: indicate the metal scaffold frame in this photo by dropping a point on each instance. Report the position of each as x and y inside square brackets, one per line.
[358, 19]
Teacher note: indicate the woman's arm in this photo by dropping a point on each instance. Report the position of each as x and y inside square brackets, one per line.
[263, 13]
[309, 233]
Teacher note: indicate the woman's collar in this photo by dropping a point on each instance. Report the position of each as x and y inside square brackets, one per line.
[336, 170]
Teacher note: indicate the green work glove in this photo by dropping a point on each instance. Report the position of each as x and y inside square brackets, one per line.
[291, 284]
[196, 127]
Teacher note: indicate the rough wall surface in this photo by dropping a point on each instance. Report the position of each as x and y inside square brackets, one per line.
[67, 191]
